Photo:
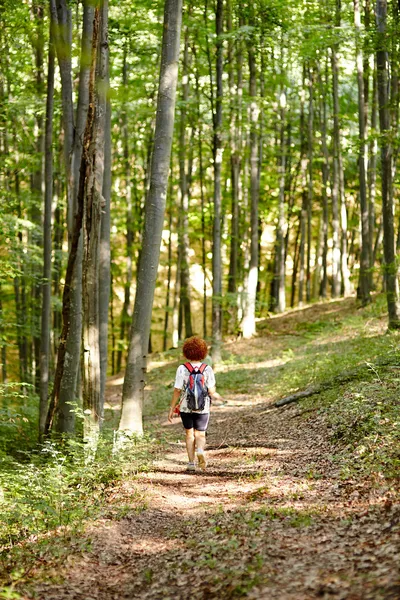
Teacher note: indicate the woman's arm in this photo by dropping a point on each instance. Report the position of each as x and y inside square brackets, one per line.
[175, 399]
[214, 394]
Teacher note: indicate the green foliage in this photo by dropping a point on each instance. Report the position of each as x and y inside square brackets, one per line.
[59, 488]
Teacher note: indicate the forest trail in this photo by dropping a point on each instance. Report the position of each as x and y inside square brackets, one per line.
[271, 518]
[260, 523]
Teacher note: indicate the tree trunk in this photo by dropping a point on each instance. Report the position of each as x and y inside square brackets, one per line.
[336, 260]
[373, 152]
[46, 285]
[125, 317]
[338, 179]
[37, 188]
[325, 185]
[131, 415]
[364, 280]
[236, 162]
[304, 195]
[280, 285]
[93, 203]
[217, 157]
[392, 288]
[249, 319]
[73, 153]
[184, 197]
[105, 252]
[169, 276]
[66, 357]
[310, 191]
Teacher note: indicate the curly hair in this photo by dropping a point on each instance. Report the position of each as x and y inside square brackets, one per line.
[195, 348]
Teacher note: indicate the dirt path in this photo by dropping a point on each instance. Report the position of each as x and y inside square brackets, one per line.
[269, 519]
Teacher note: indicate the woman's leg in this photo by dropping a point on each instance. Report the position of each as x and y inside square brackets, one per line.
[200, 440]
[190, 444]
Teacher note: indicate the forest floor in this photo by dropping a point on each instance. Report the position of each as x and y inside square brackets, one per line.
[296, 503]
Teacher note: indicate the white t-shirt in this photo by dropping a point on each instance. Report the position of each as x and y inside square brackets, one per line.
[181, 379]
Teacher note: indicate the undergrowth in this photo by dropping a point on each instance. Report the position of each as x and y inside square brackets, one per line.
[46, 502]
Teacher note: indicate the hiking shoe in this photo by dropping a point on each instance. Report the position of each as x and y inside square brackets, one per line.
[202, 460]
[190, 466]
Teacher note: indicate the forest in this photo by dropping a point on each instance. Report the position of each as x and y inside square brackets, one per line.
[214, 169]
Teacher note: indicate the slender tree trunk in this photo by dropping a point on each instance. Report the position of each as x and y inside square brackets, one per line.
[37, 186]
[65, 356]
[373, 152]
[364, 280]
[131, 416]
[310, 191]
[249, 319]
[338, 182]
[46, 285]
[169, 276]
[296, 257]
[105, 251]
[236, 162]
[93, 203]
[336, 253]
[280, 302]
[325, 185]
[392, 288]
[184, 196]
[125, 317]
[304, 209]
[217, 157]
[73, 142]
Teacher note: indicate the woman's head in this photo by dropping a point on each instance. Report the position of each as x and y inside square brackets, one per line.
[194, 348]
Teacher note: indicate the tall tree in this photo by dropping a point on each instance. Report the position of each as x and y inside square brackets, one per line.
[184, 183]
[73, 144]
[217, 158]
[91, 186]
[48, 198]
[364, 282]
[391, 275]
[249, 317]
[131, 415]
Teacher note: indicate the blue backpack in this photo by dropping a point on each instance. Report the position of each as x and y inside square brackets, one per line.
[196, 389]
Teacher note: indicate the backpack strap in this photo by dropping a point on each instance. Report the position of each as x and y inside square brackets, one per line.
[191, 369]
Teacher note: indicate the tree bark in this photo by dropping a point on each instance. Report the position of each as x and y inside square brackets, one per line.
[310, 190]
[131, 415]
[184, 177]
[105, 251]
[236, 162]
[73, 140]
[60, 393]
[46, 285]
[325, 185]
[37, 187]
[125, 316]
[169, 276]
[373, 152]
[93, 204]
[249, 318]
[217, 157]
[364, 279]
[392, 288]
[280, 285]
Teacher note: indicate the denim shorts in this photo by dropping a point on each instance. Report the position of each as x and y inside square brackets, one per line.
[193, 420]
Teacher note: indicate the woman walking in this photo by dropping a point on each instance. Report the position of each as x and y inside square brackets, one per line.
[194, 388]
